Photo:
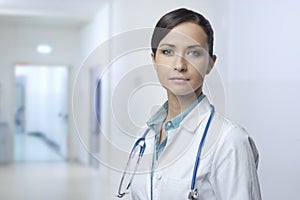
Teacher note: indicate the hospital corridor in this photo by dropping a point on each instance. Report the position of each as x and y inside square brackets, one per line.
[77, 85]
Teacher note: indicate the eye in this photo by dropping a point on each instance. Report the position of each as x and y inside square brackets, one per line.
[168, 52]
[194, 53]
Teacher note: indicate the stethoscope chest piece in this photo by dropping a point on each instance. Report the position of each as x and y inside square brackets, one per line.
[193, 194]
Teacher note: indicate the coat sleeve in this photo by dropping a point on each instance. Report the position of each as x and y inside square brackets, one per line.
[234, 170]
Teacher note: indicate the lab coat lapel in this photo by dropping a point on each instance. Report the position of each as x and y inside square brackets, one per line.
[181, 139]
[193, 119]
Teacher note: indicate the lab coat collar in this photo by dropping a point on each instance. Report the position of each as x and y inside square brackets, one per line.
[196, 116]
[181, 138]
[157, 119]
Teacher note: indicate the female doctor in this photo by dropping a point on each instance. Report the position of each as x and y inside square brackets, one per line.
[192, 152]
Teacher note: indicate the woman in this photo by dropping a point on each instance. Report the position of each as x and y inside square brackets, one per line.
[182, 54]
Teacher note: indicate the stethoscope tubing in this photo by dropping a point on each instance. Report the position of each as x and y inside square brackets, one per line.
[141, 142]
[197, 161]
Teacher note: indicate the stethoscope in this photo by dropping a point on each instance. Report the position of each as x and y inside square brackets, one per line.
[140, 146]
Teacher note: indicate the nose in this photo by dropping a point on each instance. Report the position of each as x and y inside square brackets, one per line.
[180, 63]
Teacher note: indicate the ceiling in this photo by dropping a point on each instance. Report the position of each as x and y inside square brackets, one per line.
[57, 12]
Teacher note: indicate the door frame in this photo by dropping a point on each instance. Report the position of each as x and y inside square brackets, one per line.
[68, 106]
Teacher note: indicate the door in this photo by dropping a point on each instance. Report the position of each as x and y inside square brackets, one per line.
[43, 136]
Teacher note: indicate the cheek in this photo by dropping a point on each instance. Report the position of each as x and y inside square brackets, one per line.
[161, 71]
[163, 61]
[199, 68]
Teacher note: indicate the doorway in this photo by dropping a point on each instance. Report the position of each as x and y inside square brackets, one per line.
[41, 113]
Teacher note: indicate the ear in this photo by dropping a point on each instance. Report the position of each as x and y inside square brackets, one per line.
[211, 63]
[153, 60]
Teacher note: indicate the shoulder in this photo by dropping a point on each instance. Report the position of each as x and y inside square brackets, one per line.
[231, 133]
[234, 141]
[234, 165]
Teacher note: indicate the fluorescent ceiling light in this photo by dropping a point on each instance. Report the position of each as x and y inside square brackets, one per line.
[44, 49]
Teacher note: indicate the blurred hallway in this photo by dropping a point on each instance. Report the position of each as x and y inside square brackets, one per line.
[43, 181]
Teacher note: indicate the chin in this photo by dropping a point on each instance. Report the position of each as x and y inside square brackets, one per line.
[183, 93]
[178, 91]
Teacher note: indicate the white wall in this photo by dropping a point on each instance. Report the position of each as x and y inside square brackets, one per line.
[94, 55]
[18, 43]
[264, 77]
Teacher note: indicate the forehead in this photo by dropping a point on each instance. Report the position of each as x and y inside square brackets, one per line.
[187, 33]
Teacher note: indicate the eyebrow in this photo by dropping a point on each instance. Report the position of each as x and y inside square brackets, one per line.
[170, 45]
[189, 47]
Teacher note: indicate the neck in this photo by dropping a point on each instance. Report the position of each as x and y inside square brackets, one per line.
[177, 104]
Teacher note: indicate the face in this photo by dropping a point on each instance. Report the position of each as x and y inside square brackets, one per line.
[182, 59]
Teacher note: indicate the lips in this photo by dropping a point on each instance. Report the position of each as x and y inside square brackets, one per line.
[179, 79]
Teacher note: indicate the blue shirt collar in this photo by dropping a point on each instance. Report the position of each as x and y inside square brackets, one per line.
[156, 121]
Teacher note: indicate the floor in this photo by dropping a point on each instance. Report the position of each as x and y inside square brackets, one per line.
[34, 148]
[40, 173]
[43, 181]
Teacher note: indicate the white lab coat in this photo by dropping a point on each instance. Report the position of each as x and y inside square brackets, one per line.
[228, 166]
